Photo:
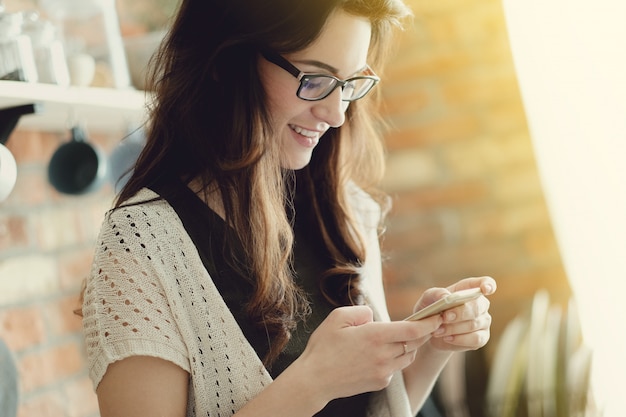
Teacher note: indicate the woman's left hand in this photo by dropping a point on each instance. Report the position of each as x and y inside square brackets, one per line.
[466, 327]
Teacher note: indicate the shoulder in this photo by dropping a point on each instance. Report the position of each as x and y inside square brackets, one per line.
[366, 210]
[146, 209]
[145, 224]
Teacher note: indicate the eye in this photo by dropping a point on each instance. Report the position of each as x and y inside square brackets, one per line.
[312, 84]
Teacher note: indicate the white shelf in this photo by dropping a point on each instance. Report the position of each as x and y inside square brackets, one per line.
[96, 109]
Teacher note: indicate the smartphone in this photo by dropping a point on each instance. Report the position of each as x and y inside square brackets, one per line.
[449, 301]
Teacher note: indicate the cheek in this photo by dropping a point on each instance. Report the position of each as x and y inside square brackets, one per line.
[280, 91]
[282, 101]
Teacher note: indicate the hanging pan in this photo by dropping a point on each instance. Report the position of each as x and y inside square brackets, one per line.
[77, 167]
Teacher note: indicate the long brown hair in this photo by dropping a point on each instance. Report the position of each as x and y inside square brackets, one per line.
[209, 123]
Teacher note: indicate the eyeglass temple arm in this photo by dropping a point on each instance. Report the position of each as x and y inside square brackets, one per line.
[277, 59]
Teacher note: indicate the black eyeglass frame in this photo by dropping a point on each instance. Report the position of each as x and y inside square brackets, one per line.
[283, 63]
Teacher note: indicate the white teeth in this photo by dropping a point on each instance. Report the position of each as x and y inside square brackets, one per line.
[304, 132]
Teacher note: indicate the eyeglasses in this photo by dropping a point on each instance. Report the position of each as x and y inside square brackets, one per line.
[314, 87]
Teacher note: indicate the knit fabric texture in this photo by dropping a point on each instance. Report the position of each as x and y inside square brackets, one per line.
[149, 294]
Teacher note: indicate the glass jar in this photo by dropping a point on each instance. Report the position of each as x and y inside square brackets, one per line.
[17, 62]
[48, 50]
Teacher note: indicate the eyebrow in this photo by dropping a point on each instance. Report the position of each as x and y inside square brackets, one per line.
[326, 66]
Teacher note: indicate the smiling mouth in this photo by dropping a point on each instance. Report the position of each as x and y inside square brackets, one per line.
[306, 138]
[304, 132]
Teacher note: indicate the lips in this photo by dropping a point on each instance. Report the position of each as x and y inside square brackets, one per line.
[305, 132]
[304, 137]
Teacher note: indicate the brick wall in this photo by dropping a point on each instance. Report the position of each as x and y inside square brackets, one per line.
[468, 201]
[461, 170]
[46, 245]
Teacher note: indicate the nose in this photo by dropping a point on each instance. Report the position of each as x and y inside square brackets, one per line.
[332, 109]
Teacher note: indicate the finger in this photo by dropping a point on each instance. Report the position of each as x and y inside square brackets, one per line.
[413, 345]
[404, 348]
[468, 311]
[486, 284]
[401, 331]
[480, 323]
[468, 341]
[402, 360]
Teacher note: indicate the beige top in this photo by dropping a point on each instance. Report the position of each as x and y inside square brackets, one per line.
[149, 294]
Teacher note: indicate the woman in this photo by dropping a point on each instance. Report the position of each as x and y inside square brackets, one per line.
[240, 272]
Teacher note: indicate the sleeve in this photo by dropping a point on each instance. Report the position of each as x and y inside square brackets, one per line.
[393, 401]
[368, 219]
[126, 311]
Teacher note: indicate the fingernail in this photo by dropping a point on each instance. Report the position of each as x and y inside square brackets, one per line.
[440, 331]
[489, 288]
[450, 316]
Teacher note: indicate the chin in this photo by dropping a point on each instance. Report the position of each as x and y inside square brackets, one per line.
[296, 163]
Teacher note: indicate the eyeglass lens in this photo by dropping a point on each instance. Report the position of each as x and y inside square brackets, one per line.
[319, 86]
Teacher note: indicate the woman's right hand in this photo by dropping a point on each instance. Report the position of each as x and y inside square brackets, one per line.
[349, 353]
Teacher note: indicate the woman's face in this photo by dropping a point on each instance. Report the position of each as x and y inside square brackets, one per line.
[341, 50]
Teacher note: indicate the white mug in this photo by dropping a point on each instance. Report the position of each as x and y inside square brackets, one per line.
[82, 69]
[8, 172]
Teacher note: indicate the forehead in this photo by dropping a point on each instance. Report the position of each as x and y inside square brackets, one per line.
[343, 44]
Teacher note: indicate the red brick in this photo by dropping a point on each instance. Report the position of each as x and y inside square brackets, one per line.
[495, 224]
[517, 185]
[22, 328]
[49, 366]
[46, 404]
[405, 234]
[400, 301]
[31, 189]
[410, 169]
[397, 271]
[61, 317]
[440, 197]
[58, 227]
[430, 64]
[496, 154]
[83, 401]
[446, 264]
[92, 216]
[74, 267]
[480, 89]
[413, 99]
[13, 232]
[449, 127]
[504, 118]
[30, 147]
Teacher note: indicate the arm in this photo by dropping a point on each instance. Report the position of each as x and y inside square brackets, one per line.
[347, 355]
[149, 386]
[143, 386]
